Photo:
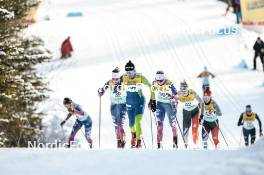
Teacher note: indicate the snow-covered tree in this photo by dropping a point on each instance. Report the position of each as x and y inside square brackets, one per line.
[53, 131]
[21, 88]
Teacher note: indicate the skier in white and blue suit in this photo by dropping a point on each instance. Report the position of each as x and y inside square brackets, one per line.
[166, 103]
[82, 119]
[118, 105]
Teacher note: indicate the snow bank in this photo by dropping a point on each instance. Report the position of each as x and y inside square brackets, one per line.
[155, 162]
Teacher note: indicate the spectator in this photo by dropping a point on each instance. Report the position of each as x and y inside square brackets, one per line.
[66, 48]
[259, 51]
[229, 4]
[237, 10]
[205, 75]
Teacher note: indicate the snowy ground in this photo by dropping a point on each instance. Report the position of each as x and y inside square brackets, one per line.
[179, 37]
[130, 162]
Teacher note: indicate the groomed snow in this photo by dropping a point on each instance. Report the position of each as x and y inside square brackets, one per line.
[155, 162]
[179, 37]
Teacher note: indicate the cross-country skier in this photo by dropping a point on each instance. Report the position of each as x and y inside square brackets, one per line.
[166, 103]
[82, 119]
[209, 119]
[135, 101]
[118, 105]
[247, 119]
[191, 104]
[205, 75]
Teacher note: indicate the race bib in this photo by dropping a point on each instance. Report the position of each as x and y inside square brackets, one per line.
[210, 113]
[249, 125]
[133, 88]
[188, 105]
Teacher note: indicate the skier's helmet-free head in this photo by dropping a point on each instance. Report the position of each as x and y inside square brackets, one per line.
[248, 109]
[184, 87]
[207, 96]
[130, 69]
[67, 100]
[160, 77]
[115, 75]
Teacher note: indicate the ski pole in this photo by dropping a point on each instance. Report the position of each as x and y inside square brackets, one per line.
[100, 112]
[151, 129]
[174, 107]
[207, 134]
[144, 143]
[180, 129]
[240, 140]
[222, 134]
[155, 118]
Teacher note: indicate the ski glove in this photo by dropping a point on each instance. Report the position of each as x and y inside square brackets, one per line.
[260, 134]
[71, 111]
[201, 120]
[239, 123]
[62, 123]
[152, 105]
[100, 92]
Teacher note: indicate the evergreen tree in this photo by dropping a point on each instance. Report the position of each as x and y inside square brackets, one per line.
[21, 88]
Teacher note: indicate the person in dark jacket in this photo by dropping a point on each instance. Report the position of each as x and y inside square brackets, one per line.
[259, 51]
[66, 48]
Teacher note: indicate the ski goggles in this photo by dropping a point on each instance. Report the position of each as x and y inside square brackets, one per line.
[206, 98]
[115, 75]
[248, 109]
[160, 78]
[131, 73]
[184, 88]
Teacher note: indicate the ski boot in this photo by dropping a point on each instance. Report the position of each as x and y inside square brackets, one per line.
[133, 139]
[138, 144]
[205, 145]
[123, 143]
[159, 145]
[175, 142]
[91, 144]
[120, 143]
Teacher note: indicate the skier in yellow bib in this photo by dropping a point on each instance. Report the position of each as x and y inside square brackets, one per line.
[209, 119]
[135, 101]
[191, 104]
[247, 119]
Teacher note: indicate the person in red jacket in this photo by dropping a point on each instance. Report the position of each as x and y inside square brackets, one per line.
[66, 48]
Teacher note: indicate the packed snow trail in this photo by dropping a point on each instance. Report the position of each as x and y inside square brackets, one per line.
[155, 162]
[179, 37]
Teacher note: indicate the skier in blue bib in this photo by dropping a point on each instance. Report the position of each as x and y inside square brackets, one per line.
[118, 105]
[82, 119]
